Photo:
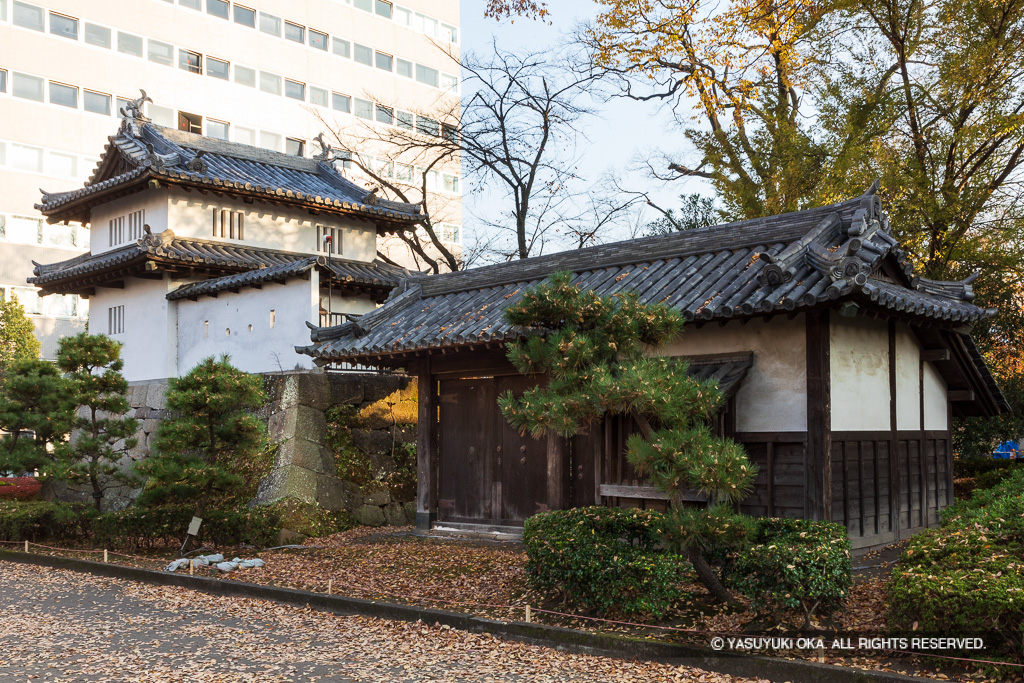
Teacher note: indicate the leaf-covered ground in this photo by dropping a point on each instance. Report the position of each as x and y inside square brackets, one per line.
[66, 626]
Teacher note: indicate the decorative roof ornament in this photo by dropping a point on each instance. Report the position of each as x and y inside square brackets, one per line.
[132, 114]
[326, 154]
[371, 197]
[196, 163]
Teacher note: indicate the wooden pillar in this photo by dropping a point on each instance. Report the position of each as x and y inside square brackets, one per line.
[818, 452]
[894, 444]
[556, 472]
[426, 447]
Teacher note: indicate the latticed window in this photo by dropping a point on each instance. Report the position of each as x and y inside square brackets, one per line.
[328, 239]
[229, 224]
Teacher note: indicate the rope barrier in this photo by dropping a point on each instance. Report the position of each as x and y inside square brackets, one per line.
[527, 608]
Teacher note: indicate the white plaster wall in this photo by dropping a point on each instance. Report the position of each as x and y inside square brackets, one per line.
[908, 379]
[154, 202]
[936, 415]
[859, 362]
[150, 327]
[268, 226]
[773, 395]
[252, 344]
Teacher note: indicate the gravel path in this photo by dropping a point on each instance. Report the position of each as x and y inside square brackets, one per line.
[58, 625]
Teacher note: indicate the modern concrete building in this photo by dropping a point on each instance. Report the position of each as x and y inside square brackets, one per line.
[270, 73]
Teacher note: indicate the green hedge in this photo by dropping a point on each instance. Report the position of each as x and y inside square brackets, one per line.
[605, 561]
[967, 577]
[39, 521]
[137, 527]
[973, 467]
[794, 564]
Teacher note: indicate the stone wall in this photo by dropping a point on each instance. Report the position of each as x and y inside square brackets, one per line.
[380, 416]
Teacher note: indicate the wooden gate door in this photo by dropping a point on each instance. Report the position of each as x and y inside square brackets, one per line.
[487, 472]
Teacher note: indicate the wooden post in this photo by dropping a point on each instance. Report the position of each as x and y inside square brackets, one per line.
[104, 555]
[556, 472]
[330, 585]
[528, 615]
[894, 446]
[26, 546]
[818, 455]
[426, 447]
[191, 568]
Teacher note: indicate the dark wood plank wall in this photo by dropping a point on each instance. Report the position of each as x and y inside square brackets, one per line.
[780, 486]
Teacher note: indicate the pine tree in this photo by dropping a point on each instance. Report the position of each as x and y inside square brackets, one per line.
[200, 450]
[17, 334]
[102, 434]
[596, 353]
[35, 414]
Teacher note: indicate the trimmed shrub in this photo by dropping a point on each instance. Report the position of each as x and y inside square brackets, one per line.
[968, 576]
[19, 488]
[137, 527]
[973, 467]
[606, 561]
[795, 564]
[39, 521]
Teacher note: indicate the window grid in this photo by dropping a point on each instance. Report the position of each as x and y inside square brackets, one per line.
[229, 224]
[115, 231]
[115, 320]
[136, 219]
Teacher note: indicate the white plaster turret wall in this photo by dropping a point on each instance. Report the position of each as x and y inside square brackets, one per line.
[153, 202]
[149, 326]
[773, 395]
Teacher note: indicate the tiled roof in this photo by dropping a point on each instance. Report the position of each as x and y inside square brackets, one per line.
[783, 263]
[143, 151]
[726, 372]
[377, 276]
[165, 248]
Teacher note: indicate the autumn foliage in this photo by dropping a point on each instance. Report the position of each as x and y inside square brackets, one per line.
[19, 488]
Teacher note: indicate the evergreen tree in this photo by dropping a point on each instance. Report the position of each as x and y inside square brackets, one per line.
[102, 435]
[17, 334]
[36, 413]
[202, 449]
[595, 352]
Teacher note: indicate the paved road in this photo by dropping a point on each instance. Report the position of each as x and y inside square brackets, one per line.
[57, 625]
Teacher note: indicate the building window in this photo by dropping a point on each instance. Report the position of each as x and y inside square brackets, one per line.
[136, 219]
[328, 239]
[189, 61]
[364, 109]
[24, 230]
[206, 328]
[28, 16]
[115, 320]
[190, 123]
[96, 102]
[426, 75]
[192, 4]
[403, 173]
[27, 158]
[3, 80]
[362, 54]
[217, 68]
[366, 5]
[64, 95]
[162, 116]
[295, 90]
[64, 165]
[341, 102]
[384, 9]
[270, 83]
[270, 24]
[341, 47]
[217, 129]
[294, 32]
[403, 119]
[28, 87]
[385, 114]
[245, 16]
[317, 39]
[245, 136]
[129, 44]
[343, 161]
[98, 36]
[427, 126]
[115, 231]
[245, 76]
[403, 17]
[384, 61]
[403, 67]
[317, 96]
[273, 318]
[450, 133]
[218, 8]
[64, 26]
[450, 33]
[451, 183]
[295, 147]
[270, 140]
[161, 53]
[60, 306]
[29, 298]
[229, 224]
[449, 83]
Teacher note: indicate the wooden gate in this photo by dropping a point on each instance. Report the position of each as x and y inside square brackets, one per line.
[487, 472]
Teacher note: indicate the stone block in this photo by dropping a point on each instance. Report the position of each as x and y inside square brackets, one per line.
[289, 537]
[306, 454]
[372, 441]
[150, 426]
[410, 510]
[369, 515]
[377, 387]
[353, 496]
[156, 396]
[376, 497]
[346, 389]
[314, 390]
[394, 513]
[404, 433]
[302, 485]
[298, 421]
